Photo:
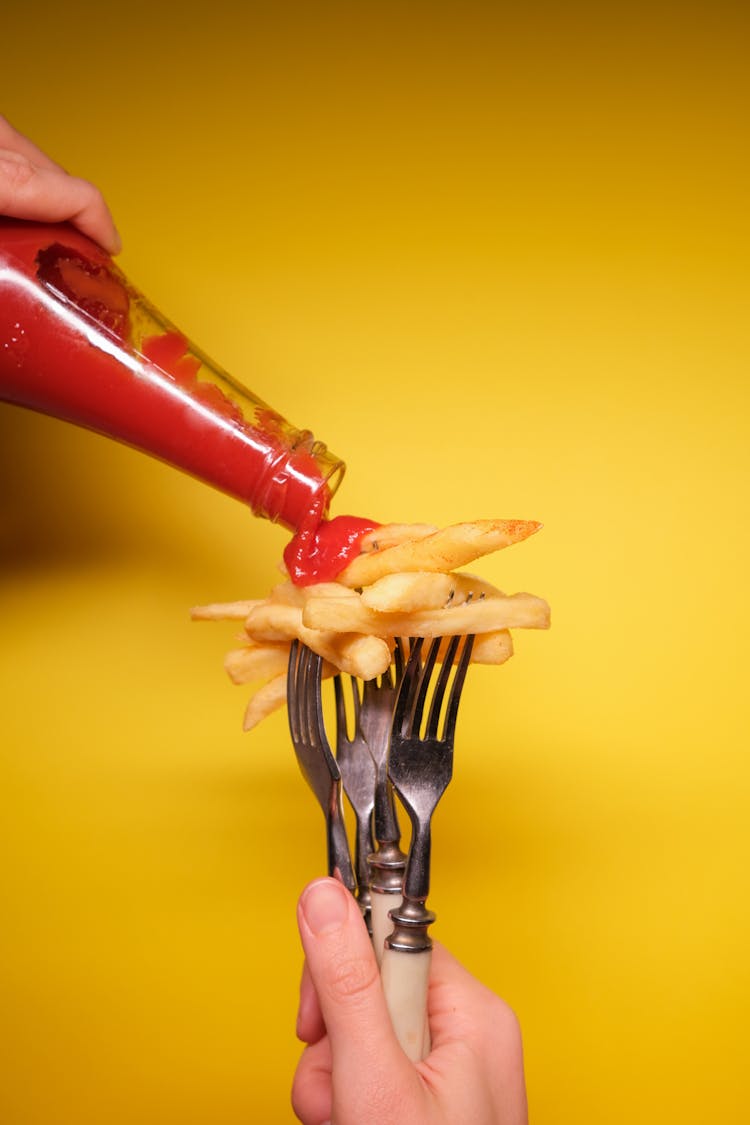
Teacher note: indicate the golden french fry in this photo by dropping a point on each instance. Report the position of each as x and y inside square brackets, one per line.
[357, 655]
[492, 648]
[328, 590]
[517, 611]
[403, 593]
[223, 611]
[363, 656]
[286, 593]
[266, 699]
[444, 550]
[273, 622]
[391, 534]
[272, 695]
[256, 662]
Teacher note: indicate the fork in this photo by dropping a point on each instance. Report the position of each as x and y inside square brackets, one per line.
[420, 767]
[314, 756]
[358, 778]
[387, 862]
[363, 761]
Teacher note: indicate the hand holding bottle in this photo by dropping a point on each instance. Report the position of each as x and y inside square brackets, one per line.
[353, 1069]
[32, 186]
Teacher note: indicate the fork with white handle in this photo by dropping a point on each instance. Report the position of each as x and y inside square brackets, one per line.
[420, 767]
[362, 758]
[387, 861]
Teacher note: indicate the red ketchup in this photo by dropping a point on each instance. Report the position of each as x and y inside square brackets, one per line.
[320, 551]
[77, 341]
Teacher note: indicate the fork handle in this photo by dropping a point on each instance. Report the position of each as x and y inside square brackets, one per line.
[406, 979]
[387, 870]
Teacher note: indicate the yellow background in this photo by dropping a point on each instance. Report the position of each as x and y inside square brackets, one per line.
[497, 260]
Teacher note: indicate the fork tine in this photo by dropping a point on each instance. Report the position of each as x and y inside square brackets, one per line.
[309, 694]
[424, 683]
[433, 719]
[355, 699]
[303, 676]
[409, 687]
[451, 713]
[291, 690]
[399, 659]
[315, 697]
[338, 691]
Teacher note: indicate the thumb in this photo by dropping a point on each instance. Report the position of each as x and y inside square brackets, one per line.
[345, 974]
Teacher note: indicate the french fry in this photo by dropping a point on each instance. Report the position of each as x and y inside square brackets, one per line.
[404, 593]
[492, 648]
[328, 590]
[256, 662]
[518, 611]
[356, 655]
[391, 534]
[364, 656]
[223, 611]
[273, 622]
[266, 699]
[286, 593]
[445, 550]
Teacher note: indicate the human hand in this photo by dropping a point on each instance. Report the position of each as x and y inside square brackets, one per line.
[34, 187]
[353, 1071]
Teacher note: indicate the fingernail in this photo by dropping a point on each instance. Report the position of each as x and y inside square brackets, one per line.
[324, 906]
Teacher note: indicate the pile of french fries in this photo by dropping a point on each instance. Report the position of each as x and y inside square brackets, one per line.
[404, 583]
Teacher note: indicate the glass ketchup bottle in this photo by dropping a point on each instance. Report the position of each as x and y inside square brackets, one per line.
[77, 341]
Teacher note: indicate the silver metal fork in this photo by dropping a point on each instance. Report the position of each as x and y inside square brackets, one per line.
[358, 777]
[314, 755]
[420, 767]
[363, 761]
[387, 862]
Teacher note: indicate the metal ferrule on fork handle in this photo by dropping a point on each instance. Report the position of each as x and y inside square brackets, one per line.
[410, 922]
[387, 879]
[387, 869]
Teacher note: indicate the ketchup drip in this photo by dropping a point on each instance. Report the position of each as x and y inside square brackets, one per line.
[79, 343]
[322, 549]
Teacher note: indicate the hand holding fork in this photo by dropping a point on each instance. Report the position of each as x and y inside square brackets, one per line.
[419, 767]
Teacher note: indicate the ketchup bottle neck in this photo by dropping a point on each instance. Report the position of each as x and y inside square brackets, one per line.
[78, 342]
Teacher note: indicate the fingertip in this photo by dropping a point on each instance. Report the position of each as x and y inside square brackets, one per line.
[323, 907]
[94, 217]
[115, 246]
